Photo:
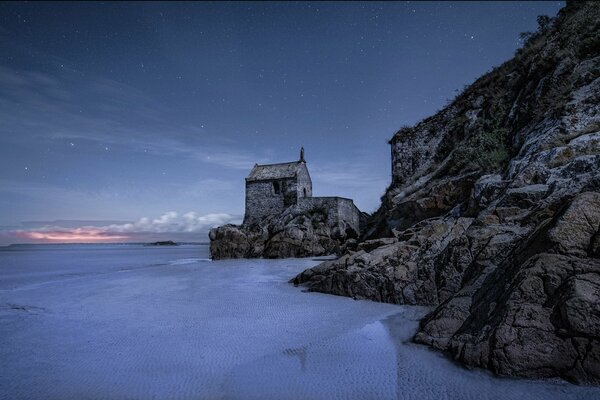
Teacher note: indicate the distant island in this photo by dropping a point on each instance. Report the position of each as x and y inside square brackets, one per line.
[163, 243]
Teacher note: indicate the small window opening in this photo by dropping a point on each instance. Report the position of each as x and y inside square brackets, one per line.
[276, 188]
[304, 191]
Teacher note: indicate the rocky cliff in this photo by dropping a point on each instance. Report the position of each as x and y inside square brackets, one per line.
[493, 216]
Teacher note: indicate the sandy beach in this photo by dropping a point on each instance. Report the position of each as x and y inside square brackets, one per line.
[134, 322]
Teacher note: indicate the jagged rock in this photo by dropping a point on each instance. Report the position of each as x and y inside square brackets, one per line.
[293, 233]
[398, 272]
[527, 314]
[229, 240]
[531, 331]
[369, 245]
[574, 231]
[430, 201]
[493, 215]
[487, 188]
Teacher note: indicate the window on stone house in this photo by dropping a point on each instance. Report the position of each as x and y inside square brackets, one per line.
[276, 187]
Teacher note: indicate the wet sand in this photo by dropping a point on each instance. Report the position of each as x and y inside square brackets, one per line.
[102, 322]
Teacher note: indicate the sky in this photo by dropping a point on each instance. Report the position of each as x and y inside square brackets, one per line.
[139, 121]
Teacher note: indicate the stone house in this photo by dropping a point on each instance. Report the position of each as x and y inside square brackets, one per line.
[273, 188]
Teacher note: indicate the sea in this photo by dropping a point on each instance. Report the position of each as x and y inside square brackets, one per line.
[122, 321]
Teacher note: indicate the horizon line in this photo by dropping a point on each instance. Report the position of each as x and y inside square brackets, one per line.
[96, 243]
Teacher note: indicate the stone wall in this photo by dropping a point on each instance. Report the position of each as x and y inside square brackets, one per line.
[262, 199]
[348, 212]
[340, 211]
[304, 182]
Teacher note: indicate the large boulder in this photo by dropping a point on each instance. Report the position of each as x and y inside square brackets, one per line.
[228, 241]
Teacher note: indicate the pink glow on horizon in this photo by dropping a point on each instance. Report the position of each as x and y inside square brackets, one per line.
[73, 236]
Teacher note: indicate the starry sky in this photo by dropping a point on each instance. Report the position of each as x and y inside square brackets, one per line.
[140, 121]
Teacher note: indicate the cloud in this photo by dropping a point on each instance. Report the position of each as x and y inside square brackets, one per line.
[169, 223]
[172, 222]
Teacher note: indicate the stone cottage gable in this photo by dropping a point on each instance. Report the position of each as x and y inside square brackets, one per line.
[272, 188]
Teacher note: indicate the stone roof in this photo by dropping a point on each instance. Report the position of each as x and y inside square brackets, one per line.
[274, 171]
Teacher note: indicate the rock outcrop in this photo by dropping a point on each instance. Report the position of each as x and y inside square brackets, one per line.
[493, 216]
[297, 232]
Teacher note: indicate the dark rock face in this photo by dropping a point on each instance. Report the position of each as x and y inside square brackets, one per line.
[537, 313]
[493, 216]
[294, 233]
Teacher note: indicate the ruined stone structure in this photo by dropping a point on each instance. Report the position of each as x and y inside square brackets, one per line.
[273, 188]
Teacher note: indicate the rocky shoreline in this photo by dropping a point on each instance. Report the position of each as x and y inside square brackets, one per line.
[293, 233]
[493, 217]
